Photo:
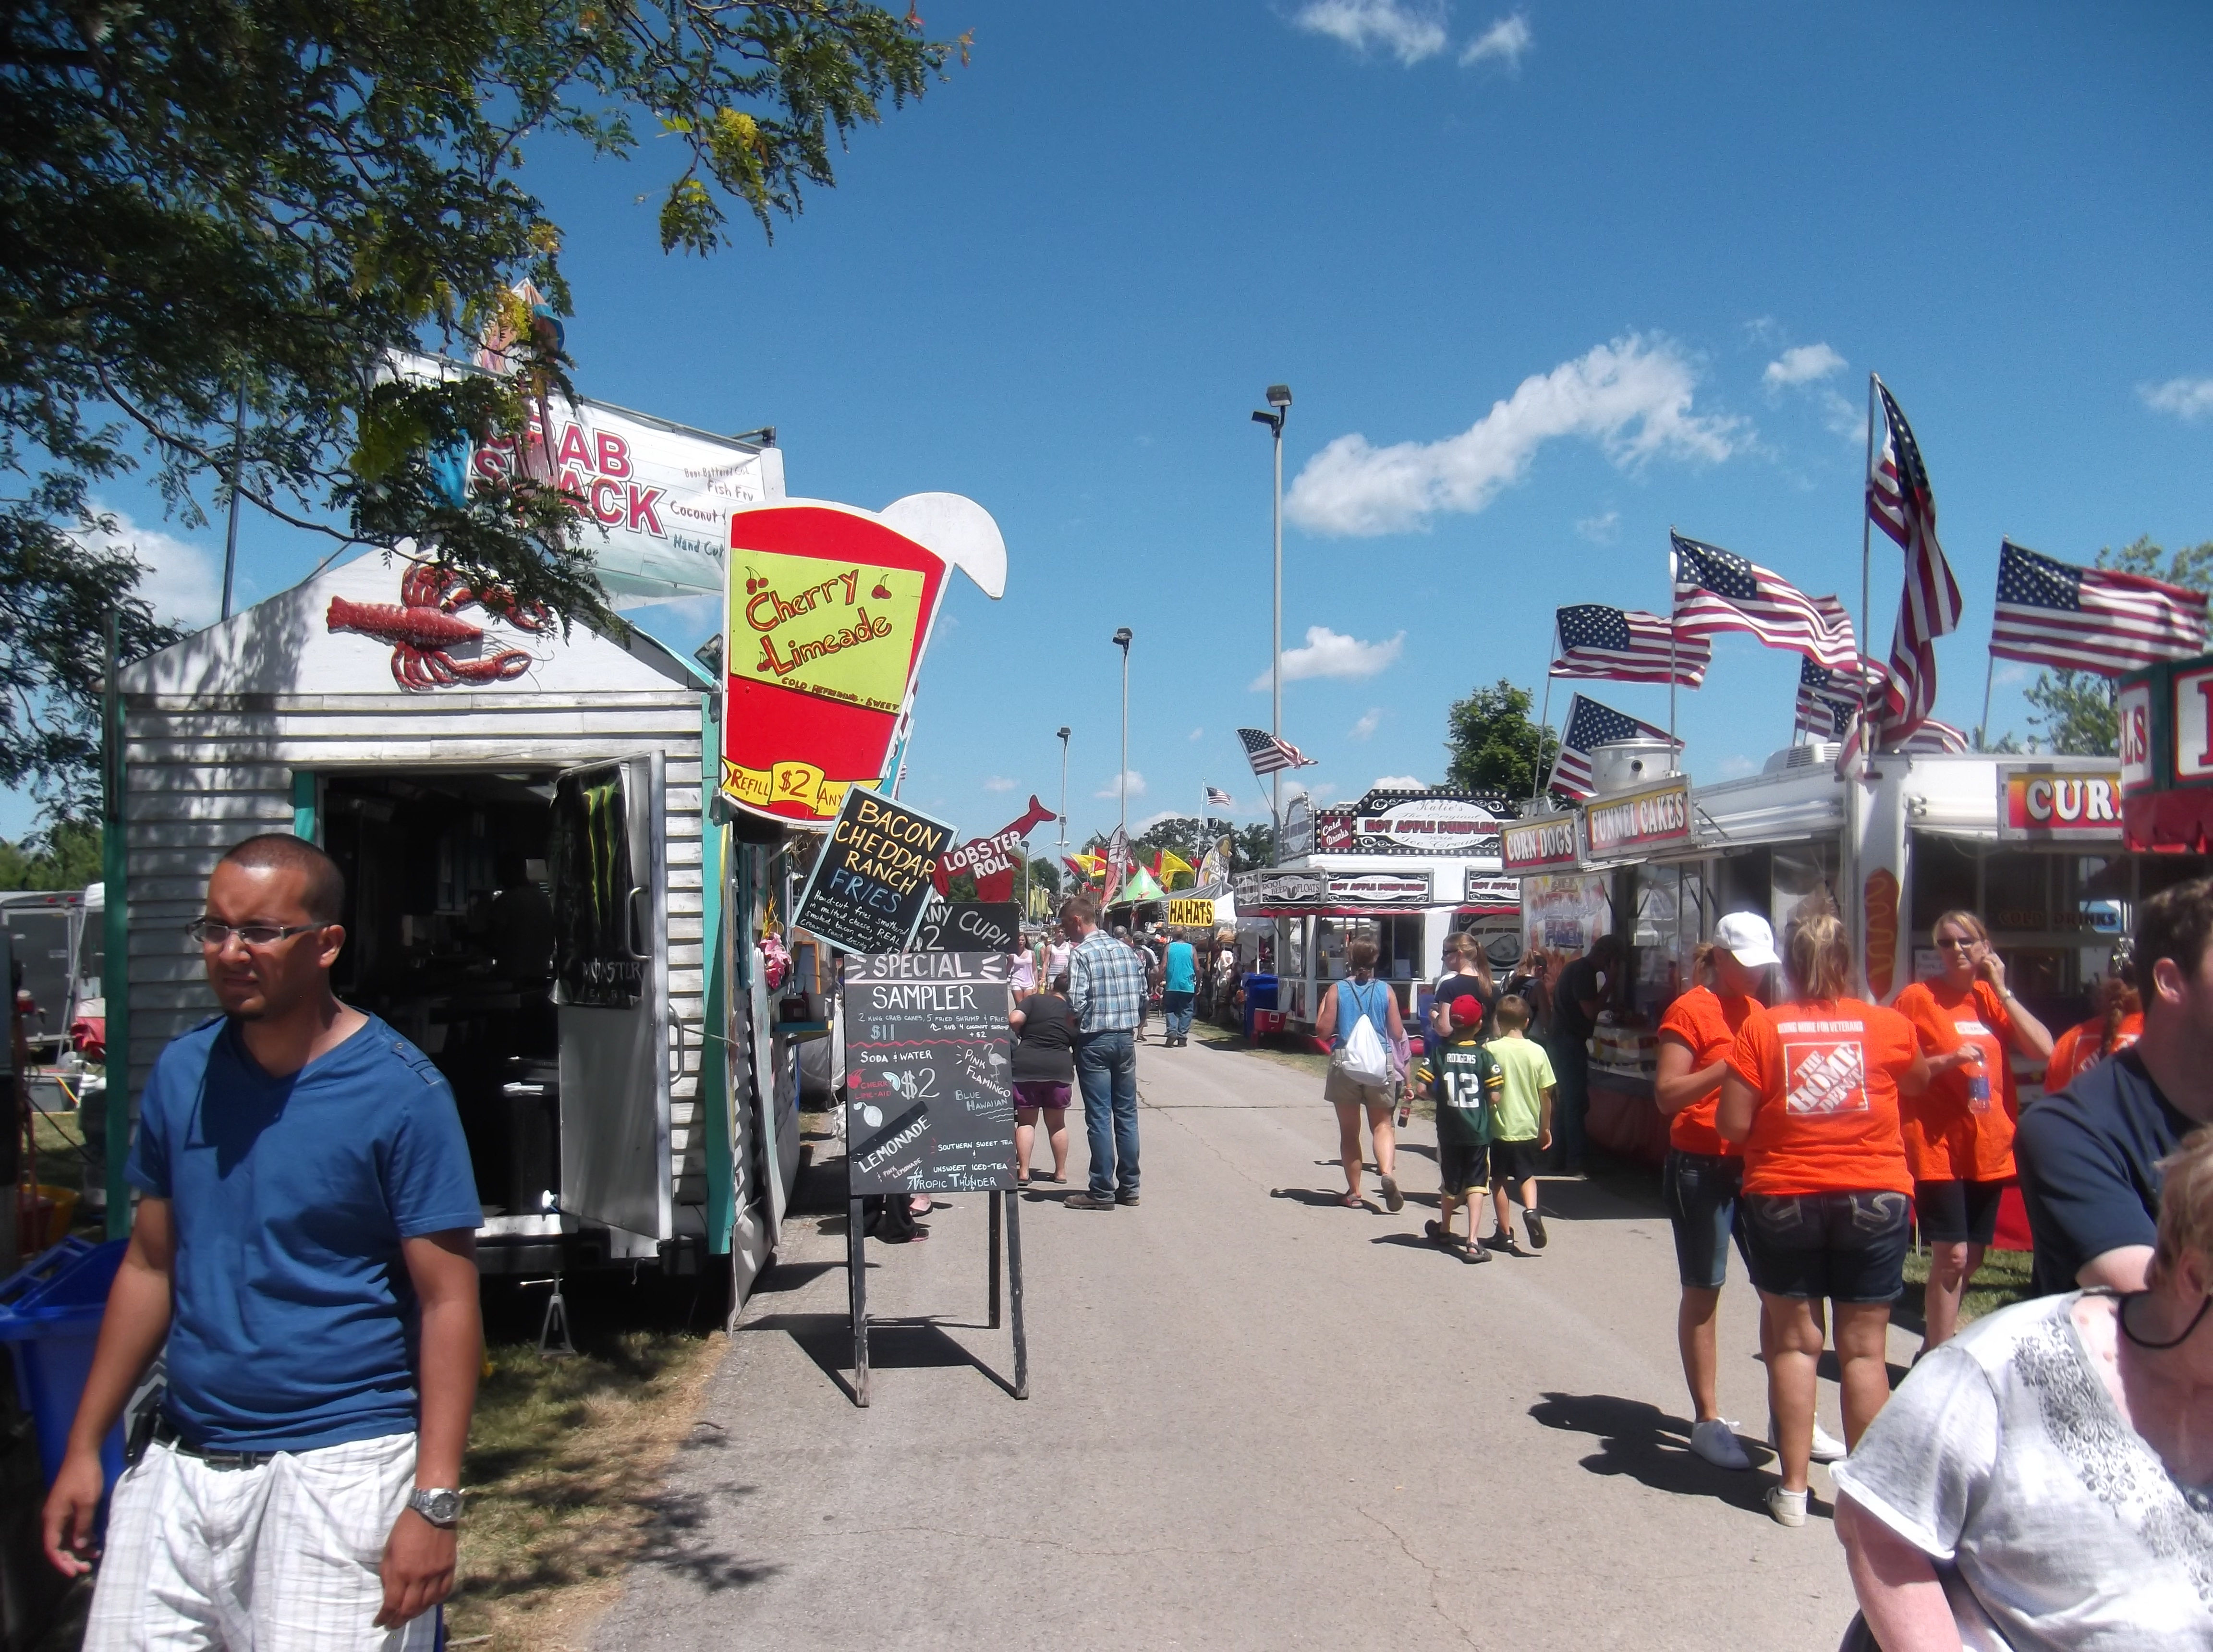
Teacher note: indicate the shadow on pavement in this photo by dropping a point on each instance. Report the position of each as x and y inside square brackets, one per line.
[1636, 1438]
[1829, 1368]
[794, 1275]
[673, 1520]
[1320, 1200]
[900, 1344]
[1606, 1197]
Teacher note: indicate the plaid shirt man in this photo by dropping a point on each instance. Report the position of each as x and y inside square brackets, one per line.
[1106, 985]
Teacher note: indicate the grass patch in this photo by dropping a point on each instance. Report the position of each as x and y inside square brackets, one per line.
[2001, 1281]
[565, 1459]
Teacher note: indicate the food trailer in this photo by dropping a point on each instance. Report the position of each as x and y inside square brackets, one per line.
[1409, 866]
[535, 897]
[2032, 844]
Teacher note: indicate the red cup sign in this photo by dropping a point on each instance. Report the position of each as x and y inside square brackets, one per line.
[2194, 726]
[2039, 803]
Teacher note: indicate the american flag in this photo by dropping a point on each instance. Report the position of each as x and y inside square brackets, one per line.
[1218, 797]
[1829, 700]
[1267, 753]
[2053, 613]
[1717, 590]
[1900, 503]
[1935, 736]
[1590, 725]
[1623, 645]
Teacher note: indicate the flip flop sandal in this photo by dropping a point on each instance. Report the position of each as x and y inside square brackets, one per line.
[1439, 1235]
[1353, 1202]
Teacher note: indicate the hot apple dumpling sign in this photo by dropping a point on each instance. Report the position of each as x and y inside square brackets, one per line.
[830, 610]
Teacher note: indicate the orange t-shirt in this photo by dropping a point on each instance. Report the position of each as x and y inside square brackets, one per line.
[1826, 1119]
[1708, 1023]
[2077, 1050]
[1952, 1133]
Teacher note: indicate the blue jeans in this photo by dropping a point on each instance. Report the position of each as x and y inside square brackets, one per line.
[1106, 1071]
[1176, 1006]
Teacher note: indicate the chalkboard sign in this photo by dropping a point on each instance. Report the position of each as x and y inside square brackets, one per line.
[930, 1100]
[970, 926]
[872, 879]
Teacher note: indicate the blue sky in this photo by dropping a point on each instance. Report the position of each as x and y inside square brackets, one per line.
[1061, 283]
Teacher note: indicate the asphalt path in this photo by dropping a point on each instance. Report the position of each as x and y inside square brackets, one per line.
[1256, 1419]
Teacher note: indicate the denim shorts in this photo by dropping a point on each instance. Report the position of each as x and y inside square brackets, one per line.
[1959, 1212]
[1846, 1247]
[1701, 1190]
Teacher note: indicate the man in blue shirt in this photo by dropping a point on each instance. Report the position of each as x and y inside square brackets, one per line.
[1181, 989]
[1106, 998]
[304, 1245]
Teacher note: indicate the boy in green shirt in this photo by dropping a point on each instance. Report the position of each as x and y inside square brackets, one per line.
[1521, 1121]
[1468, 1080]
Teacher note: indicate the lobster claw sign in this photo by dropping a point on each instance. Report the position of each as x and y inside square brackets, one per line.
[830, 609]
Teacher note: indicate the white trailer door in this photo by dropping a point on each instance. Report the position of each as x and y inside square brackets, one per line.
[609, 869]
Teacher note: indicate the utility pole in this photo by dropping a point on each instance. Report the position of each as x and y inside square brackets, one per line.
[1122, 642]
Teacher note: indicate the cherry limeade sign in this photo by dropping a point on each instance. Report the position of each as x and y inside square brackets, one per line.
[829, 611]
[1641, 821]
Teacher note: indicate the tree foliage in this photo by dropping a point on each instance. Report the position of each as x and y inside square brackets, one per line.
[1492, 743]
[2074, 712]
[216, 202]
[66, 856]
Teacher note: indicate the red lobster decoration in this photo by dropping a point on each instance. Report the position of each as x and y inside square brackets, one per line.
[425, 625]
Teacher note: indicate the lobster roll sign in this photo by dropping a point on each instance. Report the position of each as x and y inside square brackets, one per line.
[830, 609]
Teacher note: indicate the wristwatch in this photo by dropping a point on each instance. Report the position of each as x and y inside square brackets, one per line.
[439, 1504]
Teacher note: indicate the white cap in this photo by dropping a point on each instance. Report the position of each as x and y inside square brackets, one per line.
[1745, 936]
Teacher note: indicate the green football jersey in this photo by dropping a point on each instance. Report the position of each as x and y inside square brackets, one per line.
[1468, 1080]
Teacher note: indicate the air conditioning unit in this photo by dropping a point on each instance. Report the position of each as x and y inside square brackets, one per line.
[1814, 754]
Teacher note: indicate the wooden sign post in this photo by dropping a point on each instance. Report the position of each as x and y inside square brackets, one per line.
[929, 1109]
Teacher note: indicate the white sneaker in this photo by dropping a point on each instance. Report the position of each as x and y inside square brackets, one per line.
[1716, 1442]
[1828, 1449]
[1788, 1507]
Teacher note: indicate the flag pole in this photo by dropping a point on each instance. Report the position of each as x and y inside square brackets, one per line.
[1866, 525]
[1983, 728]
[1671, 647]
[1544, 716]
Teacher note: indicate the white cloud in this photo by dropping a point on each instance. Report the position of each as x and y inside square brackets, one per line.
[1506, 41]
[183, 582]
[1842, 417]
[1631, 396]
[1601, 530]
[1154, 820]
[1195, 735]
[1801, 364]
[2186, 398]
[1410, 30]
[1112, 787]
[1332, 653]
[1396, 782]
[999, 783]
[1735, 768]
[1367, 725]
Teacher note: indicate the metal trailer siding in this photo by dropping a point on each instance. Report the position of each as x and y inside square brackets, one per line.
[206, 770]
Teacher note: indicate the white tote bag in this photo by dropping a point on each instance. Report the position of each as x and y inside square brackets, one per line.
[1364, 1058]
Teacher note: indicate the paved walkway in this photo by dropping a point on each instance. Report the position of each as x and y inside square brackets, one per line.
[1257, 1420]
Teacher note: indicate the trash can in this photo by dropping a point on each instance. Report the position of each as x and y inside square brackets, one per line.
[50, 1316]
[1260, 994]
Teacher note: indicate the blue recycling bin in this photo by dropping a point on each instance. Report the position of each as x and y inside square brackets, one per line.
[1260, 994]
[50, 1316]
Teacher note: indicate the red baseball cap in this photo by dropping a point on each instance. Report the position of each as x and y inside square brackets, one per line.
[1466, 1011]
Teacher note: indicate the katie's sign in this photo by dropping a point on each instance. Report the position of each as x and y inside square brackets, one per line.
[1641, 821]
[1434, 820]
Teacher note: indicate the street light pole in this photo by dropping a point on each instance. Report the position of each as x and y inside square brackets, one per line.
[1064, 797]
[1122, 642]
[1279, 407]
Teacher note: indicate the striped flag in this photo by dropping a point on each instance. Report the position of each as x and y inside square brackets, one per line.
[2053, 613]
[1933, 736]
[1717, 590]
[1591, 725]
[1267, 753]
[1900, 503]
[1623, 645]
[1829, 700]
[1217, 798]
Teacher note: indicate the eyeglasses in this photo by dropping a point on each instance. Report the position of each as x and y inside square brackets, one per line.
[1963, 944]
[208, 933]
